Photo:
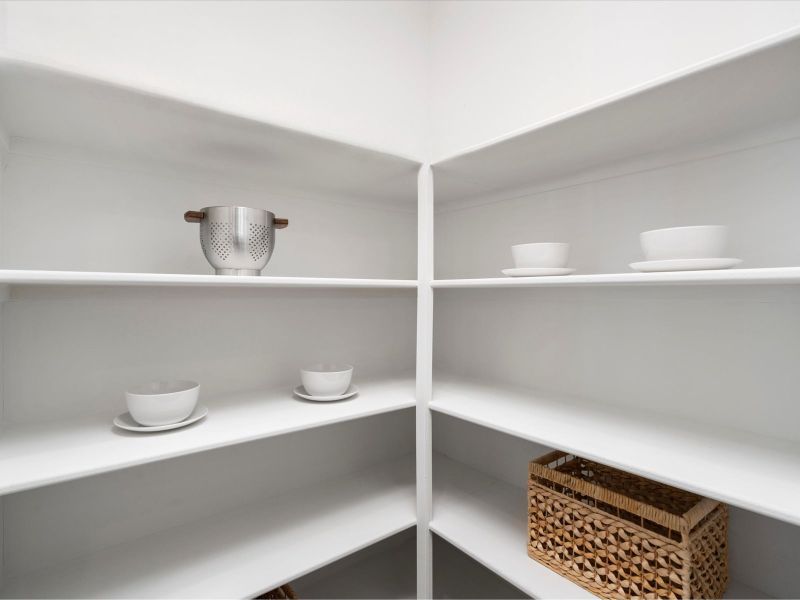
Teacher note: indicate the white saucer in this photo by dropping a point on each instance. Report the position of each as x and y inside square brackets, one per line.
[301, 391]
[125, 421]
[537, 271]
[685, 264]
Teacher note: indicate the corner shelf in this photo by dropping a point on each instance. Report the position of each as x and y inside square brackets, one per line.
[768, 276]
[89, 278]
[42, 454]
[753, 472]
[243, 553]
[468, 503]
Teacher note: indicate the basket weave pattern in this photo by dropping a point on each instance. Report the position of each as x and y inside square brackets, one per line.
[622, 536]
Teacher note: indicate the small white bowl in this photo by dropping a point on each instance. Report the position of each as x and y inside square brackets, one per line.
[326, 379]
[699, 241]
[541, 255]
[162, 402]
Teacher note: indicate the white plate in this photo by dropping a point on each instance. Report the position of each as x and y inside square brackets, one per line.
[125, 421]
[301, 391]
[685, 264]
[537, 271]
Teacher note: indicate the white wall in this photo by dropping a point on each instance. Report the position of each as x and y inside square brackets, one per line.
[500, 66]
[411, 77]
[351, 70]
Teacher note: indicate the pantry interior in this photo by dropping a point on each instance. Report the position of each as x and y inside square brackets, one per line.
[416, 487]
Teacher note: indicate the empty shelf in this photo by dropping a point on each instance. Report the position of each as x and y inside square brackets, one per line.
[753, 89]
[243, 553]
[753, 472]
[41, 454]
[125, 123]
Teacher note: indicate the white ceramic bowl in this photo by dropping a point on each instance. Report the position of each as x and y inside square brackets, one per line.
[547, 255]
[700, 241]
[326, 379]
[162, 402]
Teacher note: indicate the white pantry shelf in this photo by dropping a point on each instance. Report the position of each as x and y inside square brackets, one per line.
[487, 520]
[753, 472]
[78, 113]
[776, 275]
[90, 278]
[468, 504]
[243, 553]
[41, 454]
[751, 90]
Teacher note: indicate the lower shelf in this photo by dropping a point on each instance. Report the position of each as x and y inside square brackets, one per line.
[487, 519]
[758, 474]
[245, 553]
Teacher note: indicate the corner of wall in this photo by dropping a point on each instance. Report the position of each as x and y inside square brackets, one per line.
[3, 26]
[427, 142]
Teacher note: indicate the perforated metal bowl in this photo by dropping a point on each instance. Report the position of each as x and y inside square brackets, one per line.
[236, 240]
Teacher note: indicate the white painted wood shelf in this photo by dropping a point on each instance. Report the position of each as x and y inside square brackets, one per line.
[753, 472]
[766, 276]
[70, 110]
[246, 552]
[676, 113]
[467, 504]
[91, 278]
[487, 519]
[37, 455]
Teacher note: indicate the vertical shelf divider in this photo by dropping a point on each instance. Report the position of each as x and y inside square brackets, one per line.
[424, 382]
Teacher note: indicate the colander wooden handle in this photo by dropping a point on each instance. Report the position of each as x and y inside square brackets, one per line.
[278, 223]
[194, 216]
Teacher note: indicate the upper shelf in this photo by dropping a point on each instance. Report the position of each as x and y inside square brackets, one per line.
[777, 275]
[74, 111]
[734, 95]
[34, 277]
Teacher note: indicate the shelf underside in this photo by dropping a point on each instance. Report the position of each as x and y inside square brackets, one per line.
[243, 553]
[73, 111]
[777, 275]
[468, 504]
[753, 90]
[753, 472]
[91, 278]
[41, 454]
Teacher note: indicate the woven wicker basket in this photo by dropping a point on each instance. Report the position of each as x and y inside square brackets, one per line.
[622, 536]
[285, 592]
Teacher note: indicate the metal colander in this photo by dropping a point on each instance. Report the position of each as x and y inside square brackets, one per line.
[236, 240]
